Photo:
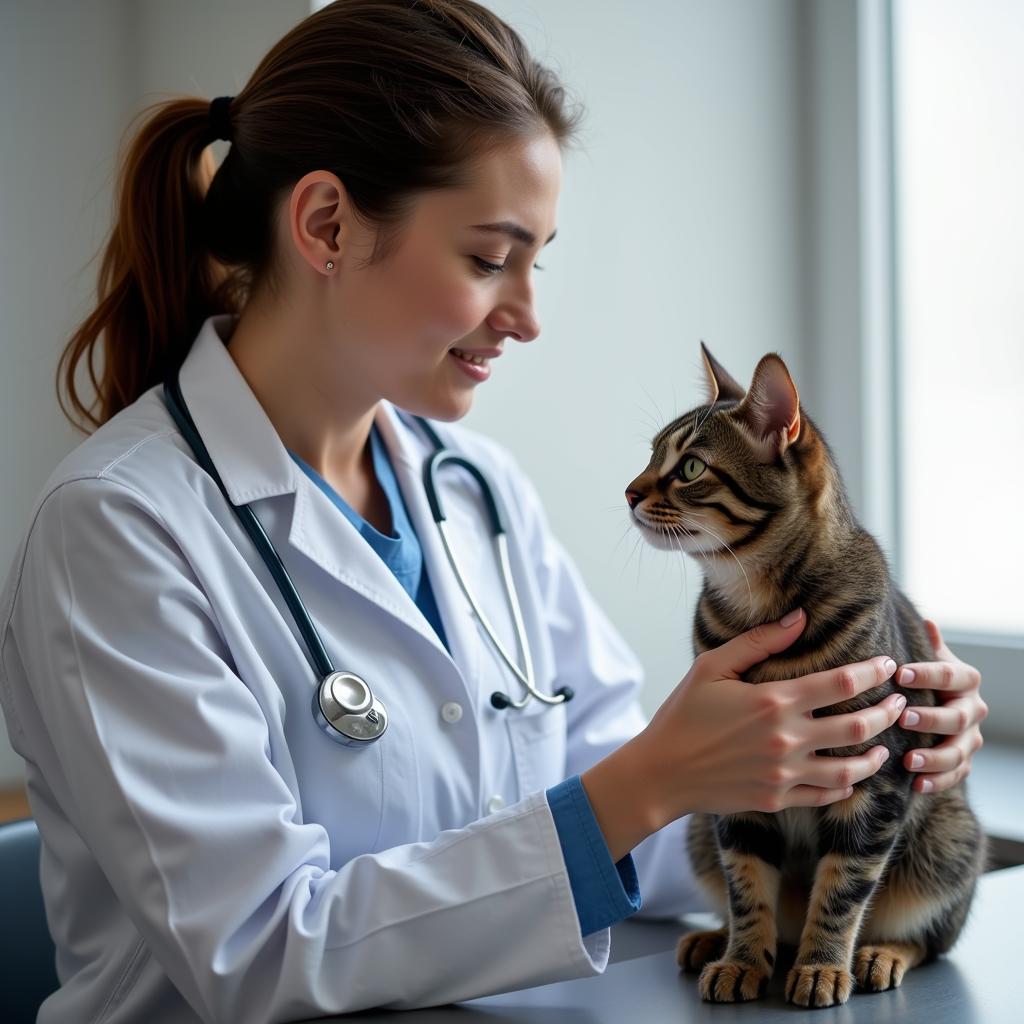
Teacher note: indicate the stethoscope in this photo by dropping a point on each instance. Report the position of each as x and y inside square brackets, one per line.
[344, 706]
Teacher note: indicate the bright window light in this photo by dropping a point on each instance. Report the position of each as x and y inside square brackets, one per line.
[959, 142]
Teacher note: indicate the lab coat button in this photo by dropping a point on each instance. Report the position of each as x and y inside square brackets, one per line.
[451, 712]
[495, 804]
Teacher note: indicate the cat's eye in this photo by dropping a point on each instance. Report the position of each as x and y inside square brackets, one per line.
[692, 468]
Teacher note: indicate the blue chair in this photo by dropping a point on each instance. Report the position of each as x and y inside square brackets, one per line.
[26, 949]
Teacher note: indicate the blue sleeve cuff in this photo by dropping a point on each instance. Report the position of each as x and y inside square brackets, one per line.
[604, 892]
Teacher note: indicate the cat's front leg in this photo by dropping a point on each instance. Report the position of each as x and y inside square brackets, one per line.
[751, 849]
[857, 836]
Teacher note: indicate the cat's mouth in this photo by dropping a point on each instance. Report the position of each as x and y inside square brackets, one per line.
[672, 536]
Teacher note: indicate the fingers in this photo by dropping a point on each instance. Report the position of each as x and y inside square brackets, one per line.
[840, 772]
[935, 759]
[821, 689]
[939, 781]
[944, 765]
[947, 719]
[814, 796]
[936, 638]
[756, 644]
[856, 726]
[948, 676]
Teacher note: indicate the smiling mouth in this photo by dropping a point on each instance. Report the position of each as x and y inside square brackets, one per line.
[469, 357]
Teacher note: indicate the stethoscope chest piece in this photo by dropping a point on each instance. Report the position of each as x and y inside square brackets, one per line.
[347, 711]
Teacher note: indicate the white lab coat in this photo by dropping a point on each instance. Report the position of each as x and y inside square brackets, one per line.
[208, 854]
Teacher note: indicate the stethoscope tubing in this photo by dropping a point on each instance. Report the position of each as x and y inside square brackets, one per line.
[319, 657]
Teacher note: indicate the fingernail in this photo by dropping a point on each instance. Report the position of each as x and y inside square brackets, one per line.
[912, 718]
[916, 761]
[906, 676]
[885, 755]
[926, 786]
[900, 702]
[788, 620]
[890, 666]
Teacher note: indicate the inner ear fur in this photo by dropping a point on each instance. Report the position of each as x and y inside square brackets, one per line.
[721, 385]
[771, 408]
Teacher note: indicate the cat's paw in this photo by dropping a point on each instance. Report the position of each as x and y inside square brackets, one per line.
[695, 949]
[727, 981]
[818, 985]
[878, 968]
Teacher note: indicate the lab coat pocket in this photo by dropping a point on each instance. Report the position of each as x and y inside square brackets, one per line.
[538, 739]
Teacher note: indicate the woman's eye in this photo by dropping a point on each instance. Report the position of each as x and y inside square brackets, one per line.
[692, 468]
[496, 268]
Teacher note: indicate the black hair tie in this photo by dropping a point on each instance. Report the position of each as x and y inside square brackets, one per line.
[220, 122]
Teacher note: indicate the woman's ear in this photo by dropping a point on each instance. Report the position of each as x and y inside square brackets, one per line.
[771, 408]
[721, 386]
[317, 212]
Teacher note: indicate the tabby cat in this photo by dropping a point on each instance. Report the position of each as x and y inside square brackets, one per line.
[870, 886]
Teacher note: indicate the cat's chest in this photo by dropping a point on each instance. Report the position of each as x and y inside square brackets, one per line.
[799, 827]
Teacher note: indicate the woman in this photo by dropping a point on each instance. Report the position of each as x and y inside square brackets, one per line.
[363, 255]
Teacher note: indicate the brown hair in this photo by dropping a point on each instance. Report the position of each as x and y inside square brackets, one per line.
[395, 97]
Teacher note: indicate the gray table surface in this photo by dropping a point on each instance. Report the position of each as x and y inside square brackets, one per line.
[974, 984]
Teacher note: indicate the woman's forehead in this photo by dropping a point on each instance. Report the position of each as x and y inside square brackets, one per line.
[511, 193]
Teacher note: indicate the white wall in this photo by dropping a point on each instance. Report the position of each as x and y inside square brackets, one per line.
[683, 219]
[64, 89]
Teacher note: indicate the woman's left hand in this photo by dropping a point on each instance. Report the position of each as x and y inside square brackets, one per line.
[957, 716]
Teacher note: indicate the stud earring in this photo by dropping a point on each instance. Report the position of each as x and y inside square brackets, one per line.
[330, 264]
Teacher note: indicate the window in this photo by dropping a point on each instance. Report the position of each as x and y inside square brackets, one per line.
[959, 220]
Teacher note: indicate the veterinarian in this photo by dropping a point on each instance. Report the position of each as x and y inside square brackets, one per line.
[317, 715]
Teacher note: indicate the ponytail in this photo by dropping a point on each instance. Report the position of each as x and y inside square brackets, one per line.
[156, 283]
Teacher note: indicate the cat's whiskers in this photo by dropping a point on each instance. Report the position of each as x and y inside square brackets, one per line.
[661, 418]
[625, 533]
[700, 423]
[636, 543]
[679, 530]
[750, 592]
[673, 537]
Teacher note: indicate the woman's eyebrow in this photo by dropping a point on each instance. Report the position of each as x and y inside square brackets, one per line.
[513, 230]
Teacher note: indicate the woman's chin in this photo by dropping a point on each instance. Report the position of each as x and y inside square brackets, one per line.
[452, 407]
[443, 408]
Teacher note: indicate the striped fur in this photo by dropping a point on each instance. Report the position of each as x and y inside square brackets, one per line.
[865, 888]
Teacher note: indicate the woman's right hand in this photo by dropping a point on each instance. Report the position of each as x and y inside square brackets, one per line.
[723, 745]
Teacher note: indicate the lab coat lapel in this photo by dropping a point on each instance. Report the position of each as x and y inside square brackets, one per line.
[324, 535]
[408, 454]
[254, 464]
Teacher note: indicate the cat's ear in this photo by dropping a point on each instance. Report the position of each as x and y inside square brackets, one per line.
[721, 386]
[772, 406]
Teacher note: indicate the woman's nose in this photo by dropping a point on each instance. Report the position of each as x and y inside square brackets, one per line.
[517, 320]
[524, 327]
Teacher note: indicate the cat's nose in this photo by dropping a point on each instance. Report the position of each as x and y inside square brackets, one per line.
[633, 498]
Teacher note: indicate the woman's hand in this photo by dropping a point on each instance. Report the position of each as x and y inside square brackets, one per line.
[958, 716]
[723, 745]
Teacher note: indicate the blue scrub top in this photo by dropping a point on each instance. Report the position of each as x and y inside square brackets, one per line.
[400, 551]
